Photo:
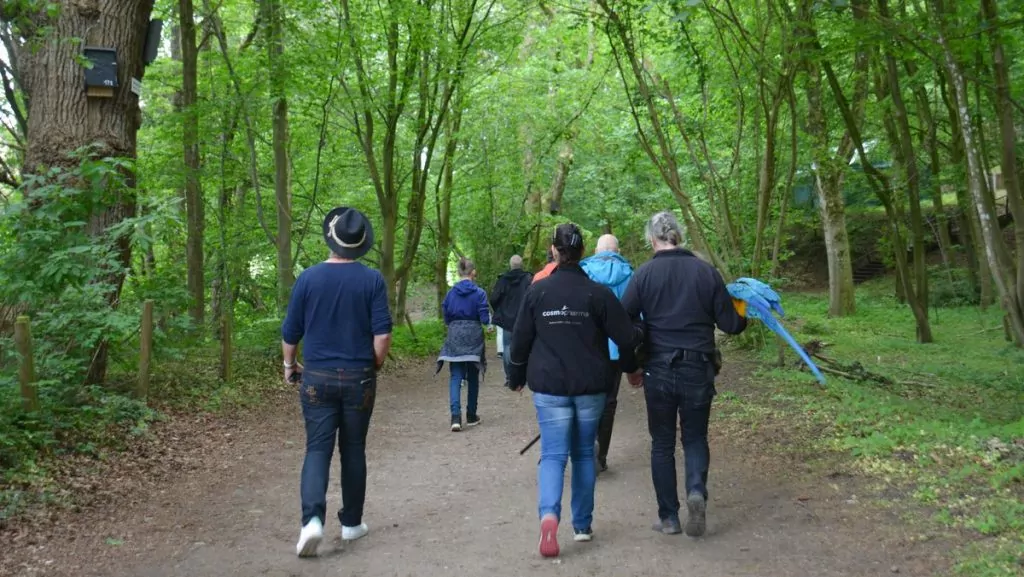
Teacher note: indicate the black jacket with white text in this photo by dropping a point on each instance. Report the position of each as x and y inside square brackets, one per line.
[560, 340]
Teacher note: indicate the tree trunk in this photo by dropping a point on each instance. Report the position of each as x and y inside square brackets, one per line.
[829, 170]
[930, 139]
[766, 174]
[443, 203]
[905, 143]
[992, 235]
[1008, 140]
[837, 246]
[282, 177]
[63, 119]
[784, 197]
[533, 205]
[979, 275]
[562, 166]
[194, 205]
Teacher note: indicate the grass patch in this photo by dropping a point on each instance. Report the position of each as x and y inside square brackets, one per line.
[950, 431]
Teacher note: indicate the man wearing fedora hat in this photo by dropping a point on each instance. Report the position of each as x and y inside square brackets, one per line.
[340, 309]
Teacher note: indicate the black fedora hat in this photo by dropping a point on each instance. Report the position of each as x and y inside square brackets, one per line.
[347, 232]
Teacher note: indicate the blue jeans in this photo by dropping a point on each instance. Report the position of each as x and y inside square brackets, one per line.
[568, 428]
[471, 374]
[336, 403]
[683, 390]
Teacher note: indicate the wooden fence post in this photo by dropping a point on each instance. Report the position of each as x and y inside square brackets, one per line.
[145, 349]
[26, 366]
[226, 328]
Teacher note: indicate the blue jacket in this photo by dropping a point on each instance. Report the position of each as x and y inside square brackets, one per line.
[613, 271]
[466, 302]
[337, 309]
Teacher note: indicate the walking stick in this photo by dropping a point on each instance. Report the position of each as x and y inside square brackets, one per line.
[531, 443]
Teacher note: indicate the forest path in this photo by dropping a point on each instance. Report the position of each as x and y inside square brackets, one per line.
[443, 503]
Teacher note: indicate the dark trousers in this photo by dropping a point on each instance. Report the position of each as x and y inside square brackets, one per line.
[336, 403]
[604, 428]
[471, 374]
[684, 390]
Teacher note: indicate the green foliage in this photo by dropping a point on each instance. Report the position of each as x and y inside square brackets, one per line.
[64, 276]
[952, 425]
[951, 288]
[423, 339]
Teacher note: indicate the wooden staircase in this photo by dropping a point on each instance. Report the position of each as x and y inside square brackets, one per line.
[867, 268]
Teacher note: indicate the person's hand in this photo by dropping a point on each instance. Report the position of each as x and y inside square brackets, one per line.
[292, 372]
[490, 328]
[636, 380]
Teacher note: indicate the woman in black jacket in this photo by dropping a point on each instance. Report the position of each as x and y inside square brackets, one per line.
[560, 347]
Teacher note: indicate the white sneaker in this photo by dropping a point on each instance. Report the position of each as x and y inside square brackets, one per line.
[353, 533]
[309, 538]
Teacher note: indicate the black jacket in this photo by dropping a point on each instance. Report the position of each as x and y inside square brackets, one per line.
[560, 342]
[507, 296]
[681, 299]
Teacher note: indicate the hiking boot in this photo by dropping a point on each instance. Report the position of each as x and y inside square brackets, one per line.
[697, 520]
[309, 538]
[472, 419]
[582, 535]
[456, 423]
[668, 526]
[353, 533]
[548, 545]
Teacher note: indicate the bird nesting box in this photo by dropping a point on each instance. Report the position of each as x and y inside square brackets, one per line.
[101, 77]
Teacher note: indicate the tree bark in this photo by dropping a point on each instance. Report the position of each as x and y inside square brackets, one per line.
[1004, 279]
[1008, 141]
[930, 139]
[766, 173]
[62, 119]
[830, 169]
[979, 275]
[274, 17]
[784, 198]
[194, 205]
[443, 202]
[918, 290]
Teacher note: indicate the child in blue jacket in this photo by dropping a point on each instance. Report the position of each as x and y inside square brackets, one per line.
[465, 313]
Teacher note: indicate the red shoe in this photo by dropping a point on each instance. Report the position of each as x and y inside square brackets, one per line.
[549, 537]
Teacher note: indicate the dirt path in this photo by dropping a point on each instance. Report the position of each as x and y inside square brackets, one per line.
[443, 503]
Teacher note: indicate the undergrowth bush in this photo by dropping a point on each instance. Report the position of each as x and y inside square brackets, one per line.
[951, 287]
[949, 426]
[64, 276]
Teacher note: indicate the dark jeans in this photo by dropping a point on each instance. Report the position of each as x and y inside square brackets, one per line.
[336, 403]
[604, 428]
[684, 389]
[469, 372]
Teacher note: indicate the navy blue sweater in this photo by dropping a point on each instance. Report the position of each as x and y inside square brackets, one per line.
[337, 308]
[466, 302]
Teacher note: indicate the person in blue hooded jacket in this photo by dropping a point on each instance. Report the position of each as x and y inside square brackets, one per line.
[611, 269]
[465, 313]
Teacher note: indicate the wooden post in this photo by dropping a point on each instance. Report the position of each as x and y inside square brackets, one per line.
[226, 328]
[145, 349]
[26, 367]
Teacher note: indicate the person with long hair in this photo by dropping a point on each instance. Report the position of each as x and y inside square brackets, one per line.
[465, 313]
[560, 347]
